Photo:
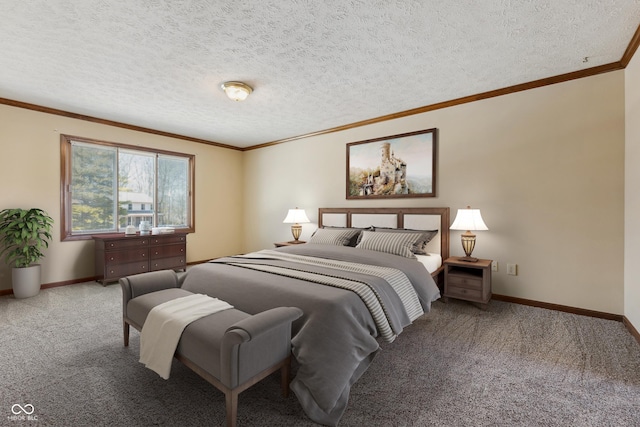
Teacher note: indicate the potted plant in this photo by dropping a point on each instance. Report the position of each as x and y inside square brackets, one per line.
[23, 235]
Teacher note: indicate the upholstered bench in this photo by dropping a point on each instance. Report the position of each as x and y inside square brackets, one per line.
[230, 349]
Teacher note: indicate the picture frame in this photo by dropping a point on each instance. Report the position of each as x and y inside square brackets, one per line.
[396, 166]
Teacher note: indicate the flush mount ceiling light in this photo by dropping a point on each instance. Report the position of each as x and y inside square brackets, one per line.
[236, 91]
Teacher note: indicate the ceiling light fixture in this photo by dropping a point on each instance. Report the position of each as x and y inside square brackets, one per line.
[236, 91]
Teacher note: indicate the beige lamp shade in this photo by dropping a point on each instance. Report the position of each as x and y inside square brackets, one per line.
[469, 219]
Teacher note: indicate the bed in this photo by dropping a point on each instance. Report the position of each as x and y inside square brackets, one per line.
[354, 298]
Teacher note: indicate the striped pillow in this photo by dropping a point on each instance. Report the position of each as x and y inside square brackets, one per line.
[423, 237]
[356, 238]
[333, 236]
[391, 243]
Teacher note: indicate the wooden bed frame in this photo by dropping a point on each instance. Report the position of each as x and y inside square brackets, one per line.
[394, 218]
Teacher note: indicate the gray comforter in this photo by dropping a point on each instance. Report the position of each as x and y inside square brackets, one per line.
[335, 340]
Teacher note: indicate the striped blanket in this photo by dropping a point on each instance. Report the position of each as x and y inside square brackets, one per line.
[350, 276]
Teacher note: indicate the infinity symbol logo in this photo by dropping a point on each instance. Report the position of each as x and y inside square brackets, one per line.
[27, 409]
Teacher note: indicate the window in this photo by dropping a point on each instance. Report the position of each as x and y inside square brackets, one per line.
[107, 186]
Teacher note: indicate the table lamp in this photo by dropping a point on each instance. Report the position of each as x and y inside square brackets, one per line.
[469, 220]
[295, 217]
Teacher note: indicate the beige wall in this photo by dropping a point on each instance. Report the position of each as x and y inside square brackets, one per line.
[30, 176]
[545, 166]
[632, 193]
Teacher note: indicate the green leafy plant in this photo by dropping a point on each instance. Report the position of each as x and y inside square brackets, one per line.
[23, 235]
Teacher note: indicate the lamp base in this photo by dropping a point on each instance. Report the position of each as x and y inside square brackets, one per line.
[468, 243]
[296, 230]
[296, 242]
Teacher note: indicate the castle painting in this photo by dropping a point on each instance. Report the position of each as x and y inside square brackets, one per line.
[394, 166]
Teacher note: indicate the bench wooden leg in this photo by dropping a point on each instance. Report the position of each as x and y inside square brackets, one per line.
[231, 398]
[285, 373]
[125, 330]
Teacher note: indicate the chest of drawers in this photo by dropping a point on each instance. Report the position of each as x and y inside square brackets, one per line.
[117, 255]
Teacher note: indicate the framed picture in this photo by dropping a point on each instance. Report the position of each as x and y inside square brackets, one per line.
[393, 166]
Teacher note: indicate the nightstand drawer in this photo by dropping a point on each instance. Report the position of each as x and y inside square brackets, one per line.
[464, 293]
[465, 281]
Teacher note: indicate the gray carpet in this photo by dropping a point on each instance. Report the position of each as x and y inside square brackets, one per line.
[511, 365]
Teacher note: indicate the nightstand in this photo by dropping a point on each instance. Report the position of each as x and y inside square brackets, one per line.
[469, 281]
[291, 243]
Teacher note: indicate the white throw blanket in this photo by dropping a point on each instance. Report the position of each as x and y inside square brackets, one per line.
[164, 325]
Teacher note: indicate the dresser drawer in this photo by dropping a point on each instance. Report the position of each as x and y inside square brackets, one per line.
[463, 293]
[121, 270]
[178, 262]
[132, 242]
[465, 281]
[167, 251]
[123, 257]
[169, 239]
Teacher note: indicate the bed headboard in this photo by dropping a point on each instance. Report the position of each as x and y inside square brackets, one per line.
[414, 218]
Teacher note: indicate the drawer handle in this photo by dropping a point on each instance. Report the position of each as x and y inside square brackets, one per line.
[111, 259]
[181, 249]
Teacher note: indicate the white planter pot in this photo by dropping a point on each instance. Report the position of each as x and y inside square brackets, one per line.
[26, 281]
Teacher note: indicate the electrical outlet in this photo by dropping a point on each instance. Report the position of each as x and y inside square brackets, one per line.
[512, 269]
[494, 265]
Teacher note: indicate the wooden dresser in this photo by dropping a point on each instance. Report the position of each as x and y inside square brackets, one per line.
[117, 255]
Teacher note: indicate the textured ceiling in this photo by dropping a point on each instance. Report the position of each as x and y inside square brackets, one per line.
[314, 65]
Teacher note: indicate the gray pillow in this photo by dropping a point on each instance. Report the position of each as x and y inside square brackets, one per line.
[395, 243]
[329, 236]
[354, 240]
[422, 237]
